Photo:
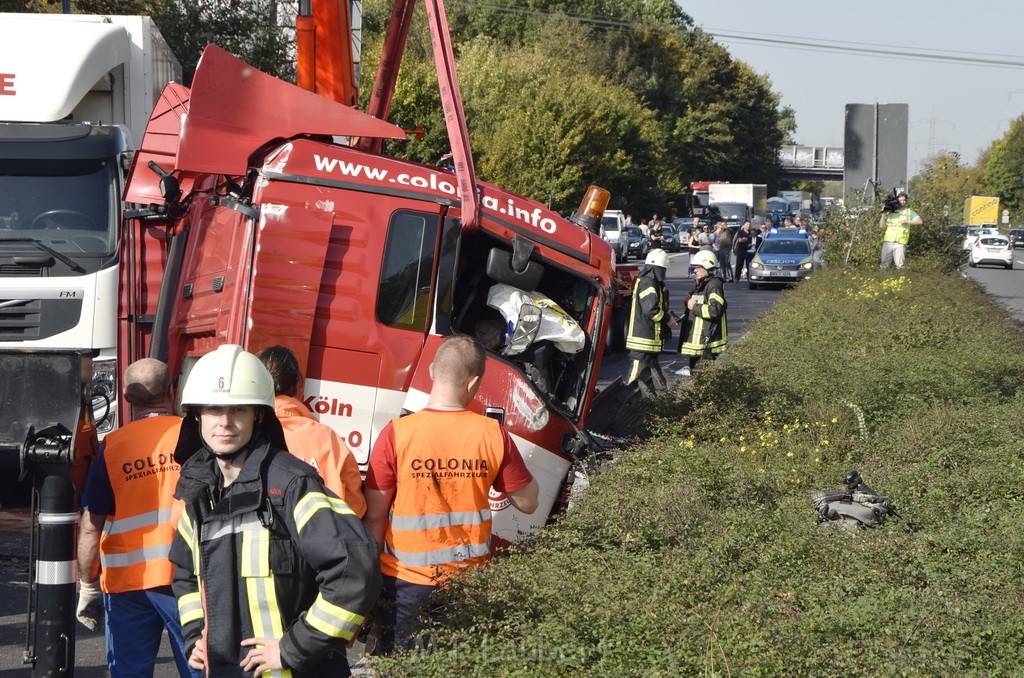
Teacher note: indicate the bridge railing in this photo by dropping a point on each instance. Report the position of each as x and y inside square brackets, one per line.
[812, 157]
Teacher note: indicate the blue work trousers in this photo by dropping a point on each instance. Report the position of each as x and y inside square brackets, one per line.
[135, 623]
[402, 606]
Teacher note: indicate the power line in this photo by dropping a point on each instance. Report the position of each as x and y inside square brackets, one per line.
[879, 51]
[783, 42]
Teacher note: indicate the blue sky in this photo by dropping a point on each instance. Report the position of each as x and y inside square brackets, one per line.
[953, 106]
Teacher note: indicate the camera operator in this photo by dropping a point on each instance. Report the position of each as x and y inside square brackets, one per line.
[896, 220]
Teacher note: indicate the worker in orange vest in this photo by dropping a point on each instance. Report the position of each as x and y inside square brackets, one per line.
[315, 443]
[127, 527]
[427, 490]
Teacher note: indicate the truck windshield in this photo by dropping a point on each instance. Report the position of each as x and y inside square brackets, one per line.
[68, 205]
[732, 211]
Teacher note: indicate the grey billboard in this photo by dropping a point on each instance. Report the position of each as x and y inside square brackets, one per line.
[876, 146]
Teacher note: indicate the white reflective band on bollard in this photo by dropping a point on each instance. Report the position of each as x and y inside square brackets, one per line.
[57, 518]
[55, 572]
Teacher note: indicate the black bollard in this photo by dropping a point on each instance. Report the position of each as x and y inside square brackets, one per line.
[54, 630]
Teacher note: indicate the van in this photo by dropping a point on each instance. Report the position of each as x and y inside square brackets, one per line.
[613, 231]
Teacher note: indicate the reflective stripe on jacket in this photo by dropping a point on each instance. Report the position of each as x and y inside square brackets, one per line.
[319, 446]
[275, 554]
[440, 520]
[646, 311]
[137, 538]
[708, 325]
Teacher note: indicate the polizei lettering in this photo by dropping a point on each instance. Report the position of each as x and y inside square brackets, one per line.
[448, 468]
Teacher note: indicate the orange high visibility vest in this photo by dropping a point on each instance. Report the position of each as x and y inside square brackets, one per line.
[136, 540]
[319, 446]
[441, 517]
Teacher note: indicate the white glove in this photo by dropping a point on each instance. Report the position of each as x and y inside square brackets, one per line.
[90, 605]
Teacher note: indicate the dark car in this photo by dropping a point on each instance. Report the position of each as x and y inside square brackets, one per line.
[673, 238]
[781, 260]
[639, 245]
[1016, 236]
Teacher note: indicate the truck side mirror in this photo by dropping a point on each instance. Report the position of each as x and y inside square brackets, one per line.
[170, 189]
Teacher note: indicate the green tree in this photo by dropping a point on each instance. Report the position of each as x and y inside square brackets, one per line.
[943, 184]
[1004, 172]
[247, 28]
[565, 128]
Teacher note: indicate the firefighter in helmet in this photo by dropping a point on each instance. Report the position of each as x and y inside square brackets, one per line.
[649, 322]
[272, 570]
[705, 332]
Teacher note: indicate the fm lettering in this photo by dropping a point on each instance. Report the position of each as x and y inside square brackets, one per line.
[7, 84]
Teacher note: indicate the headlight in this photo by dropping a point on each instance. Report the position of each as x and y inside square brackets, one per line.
[806, 266]
[104, 394]
[756, 264]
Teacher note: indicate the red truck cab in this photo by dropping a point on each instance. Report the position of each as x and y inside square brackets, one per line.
[359, 263]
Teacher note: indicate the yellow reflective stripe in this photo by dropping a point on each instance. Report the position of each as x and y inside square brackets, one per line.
[313, 502]
[188, 533]
[261, 594]
[190, 607]
[185, 528]
[255, 553]
[634, 372]
[716, 296]
[648, 292]
[333, 621]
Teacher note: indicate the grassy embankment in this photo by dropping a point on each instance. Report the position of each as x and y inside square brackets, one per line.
[699, 551]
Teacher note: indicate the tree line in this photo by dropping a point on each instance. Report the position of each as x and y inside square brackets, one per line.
[625, 94]
[946, 180]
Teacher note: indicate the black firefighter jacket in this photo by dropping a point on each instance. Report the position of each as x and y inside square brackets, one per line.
[706, 329]
[645, 331]
[278, 556]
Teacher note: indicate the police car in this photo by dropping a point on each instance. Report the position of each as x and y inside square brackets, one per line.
[784, 257]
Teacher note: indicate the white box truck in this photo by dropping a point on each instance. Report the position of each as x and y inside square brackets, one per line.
[76, 93]
[800, 203]
[738, 202]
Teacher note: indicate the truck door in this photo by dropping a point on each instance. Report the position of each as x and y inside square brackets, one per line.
[251, 277]
[373, 315]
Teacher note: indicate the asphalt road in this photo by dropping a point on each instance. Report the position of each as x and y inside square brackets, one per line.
[1005, 286]
[744, 307]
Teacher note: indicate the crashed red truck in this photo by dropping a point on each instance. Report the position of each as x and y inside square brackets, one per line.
[264, 230]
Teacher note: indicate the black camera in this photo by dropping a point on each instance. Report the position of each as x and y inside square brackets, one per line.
[892, 204]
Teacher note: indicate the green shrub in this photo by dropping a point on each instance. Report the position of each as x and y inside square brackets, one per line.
[699, 552]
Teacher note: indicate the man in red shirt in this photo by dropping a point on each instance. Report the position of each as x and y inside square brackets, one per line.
[311, 441]
[427, 486]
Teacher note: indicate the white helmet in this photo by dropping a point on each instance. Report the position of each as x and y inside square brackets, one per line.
[657, 257]
[229, 376]
[705, 259]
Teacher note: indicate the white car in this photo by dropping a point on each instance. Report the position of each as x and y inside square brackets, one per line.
[992, 249]
[974, 232]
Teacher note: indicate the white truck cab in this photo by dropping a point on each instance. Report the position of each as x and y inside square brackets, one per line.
[69, 122]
